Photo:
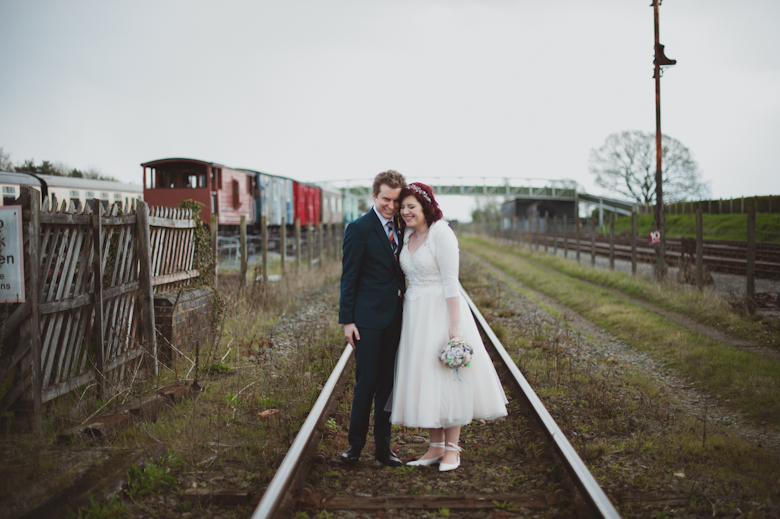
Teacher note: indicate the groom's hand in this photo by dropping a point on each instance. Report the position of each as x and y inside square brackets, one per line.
[351, 333]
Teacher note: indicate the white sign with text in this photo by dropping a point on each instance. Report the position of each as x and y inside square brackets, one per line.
[11, 258]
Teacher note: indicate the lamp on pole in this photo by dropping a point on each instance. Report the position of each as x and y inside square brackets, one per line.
[660, 216]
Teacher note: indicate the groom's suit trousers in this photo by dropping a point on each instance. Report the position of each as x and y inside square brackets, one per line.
[374, 373]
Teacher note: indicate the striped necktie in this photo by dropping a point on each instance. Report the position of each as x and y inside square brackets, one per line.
[393, 245]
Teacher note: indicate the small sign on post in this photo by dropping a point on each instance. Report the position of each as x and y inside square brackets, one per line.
[11, 258]
[655, 237]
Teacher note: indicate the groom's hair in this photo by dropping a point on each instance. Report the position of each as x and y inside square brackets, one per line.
[390, 178]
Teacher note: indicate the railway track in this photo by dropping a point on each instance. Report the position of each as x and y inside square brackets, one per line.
[528, 448]
[726, 257]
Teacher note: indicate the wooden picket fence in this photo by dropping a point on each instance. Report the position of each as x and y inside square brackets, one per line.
[90, 279]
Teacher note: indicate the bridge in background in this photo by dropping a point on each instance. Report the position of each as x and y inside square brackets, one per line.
[508, 188]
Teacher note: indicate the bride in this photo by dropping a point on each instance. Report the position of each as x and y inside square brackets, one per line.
[426, 393]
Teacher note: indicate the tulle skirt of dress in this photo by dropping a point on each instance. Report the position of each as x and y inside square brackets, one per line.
[430, 395]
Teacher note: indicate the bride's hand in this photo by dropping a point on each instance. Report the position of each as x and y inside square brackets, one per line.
[455, 332]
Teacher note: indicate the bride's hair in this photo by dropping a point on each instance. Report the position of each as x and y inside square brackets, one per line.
[424, 195]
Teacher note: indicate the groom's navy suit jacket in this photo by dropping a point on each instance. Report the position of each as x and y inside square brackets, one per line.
[371, 275]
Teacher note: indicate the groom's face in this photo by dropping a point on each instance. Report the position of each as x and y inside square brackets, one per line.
[386, 201]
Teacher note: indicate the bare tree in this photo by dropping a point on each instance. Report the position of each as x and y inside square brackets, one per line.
[5, 161]
[625, 164]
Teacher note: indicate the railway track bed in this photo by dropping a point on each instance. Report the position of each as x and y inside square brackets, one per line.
[649, 452]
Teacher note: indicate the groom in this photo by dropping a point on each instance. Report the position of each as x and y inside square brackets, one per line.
[372, 287]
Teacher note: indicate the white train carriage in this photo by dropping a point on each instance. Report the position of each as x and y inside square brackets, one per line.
[80, 191]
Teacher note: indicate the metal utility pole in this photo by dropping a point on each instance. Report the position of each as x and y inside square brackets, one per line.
[660, 216]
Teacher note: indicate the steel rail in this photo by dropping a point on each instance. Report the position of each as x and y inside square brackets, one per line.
[272, 499]
[590, 490]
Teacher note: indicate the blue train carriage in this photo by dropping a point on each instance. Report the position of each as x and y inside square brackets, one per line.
[351, 205]
[275, 199]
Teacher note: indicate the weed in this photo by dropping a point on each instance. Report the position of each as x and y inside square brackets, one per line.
[443, 512]
[153, 478]
[216, 368]
[505, 505]
[100, 510]
[324, 514]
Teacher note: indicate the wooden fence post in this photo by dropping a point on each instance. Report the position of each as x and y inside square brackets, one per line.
[633, 243]
[243, 251]
[699, 251]
[283, 245]
[264, 247]
[751, 260]
[97, 297]
[214, 251]
[340, 246]
[297, 244]
[320, 252]
[145, 282]
[523, 235]
[592, 243]
[555, 234]
[742, 205]
[546, 229]
[577, 231]
[31, 327]
[612, 241]
[731, 206]
[332, 246]
[310, 244]
[565, 238]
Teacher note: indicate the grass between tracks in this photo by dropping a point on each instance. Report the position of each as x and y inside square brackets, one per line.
[626, 430]
[750, 381]
[704, 307]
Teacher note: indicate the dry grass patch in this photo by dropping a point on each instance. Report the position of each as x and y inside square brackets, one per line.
[694, 355]
[705, 306]
[626, 429]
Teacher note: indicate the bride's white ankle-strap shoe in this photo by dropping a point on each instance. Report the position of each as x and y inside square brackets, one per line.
[429, 461]
[444, 467]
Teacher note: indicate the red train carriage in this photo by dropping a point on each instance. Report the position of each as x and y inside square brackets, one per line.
[226, 192]
[307, 203]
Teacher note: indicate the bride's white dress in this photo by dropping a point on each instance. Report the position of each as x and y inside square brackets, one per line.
[426, 393]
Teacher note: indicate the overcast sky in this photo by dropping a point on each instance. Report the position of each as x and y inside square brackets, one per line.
[318, 90]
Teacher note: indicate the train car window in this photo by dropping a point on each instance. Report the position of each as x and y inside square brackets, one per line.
[214, 204]
[191, 180]
[249, 189]
[117, 196]
[202, 180]
[9, 195]
[213, 179]
[73, 194]
[89, 194]
[236, 195]
[219, 178]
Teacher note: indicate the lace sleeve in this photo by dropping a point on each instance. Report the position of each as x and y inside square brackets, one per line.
[448, 259]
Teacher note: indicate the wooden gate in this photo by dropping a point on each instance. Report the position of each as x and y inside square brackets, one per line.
[90, 277]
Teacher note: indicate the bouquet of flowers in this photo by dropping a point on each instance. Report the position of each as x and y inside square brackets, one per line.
[456, 354]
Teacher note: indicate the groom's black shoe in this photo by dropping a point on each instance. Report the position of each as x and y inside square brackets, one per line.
[387, 457]
[351, 455]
